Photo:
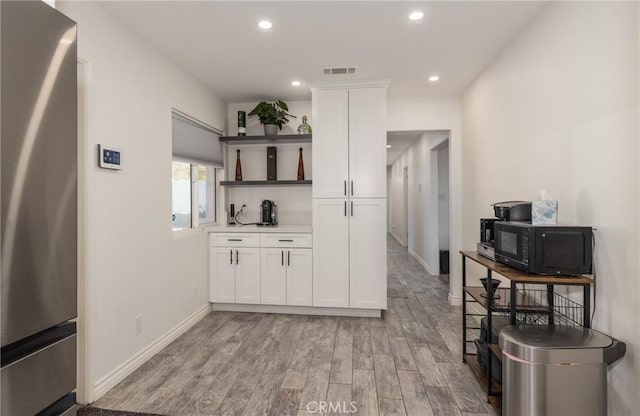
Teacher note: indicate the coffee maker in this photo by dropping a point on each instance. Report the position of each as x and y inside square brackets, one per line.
[269, 211]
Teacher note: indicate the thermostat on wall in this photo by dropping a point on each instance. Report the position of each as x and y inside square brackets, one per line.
[110, 158]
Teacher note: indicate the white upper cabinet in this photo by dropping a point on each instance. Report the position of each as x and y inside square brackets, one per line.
[349, 142]
[330, 143]
[368, 143]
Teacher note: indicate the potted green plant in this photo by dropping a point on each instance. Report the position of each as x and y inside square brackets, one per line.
[272, 115]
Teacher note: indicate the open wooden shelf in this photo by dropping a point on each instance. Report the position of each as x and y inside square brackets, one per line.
[481, 374]
[265, 183]
[496, 350]
[519, 276]
[278, 139]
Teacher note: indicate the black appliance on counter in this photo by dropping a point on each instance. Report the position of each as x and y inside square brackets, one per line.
[544, 249]
[513, 210]
[486, 230]
[269, 213]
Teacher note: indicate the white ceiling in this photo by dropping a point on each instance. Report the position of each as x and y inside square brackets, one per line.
[221, 44]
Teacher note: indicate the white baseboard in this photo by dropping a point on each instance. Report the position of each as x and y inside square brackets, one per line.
[455, 300]
[121, 372]
[296, 310]
[398, 239]
[430, 269]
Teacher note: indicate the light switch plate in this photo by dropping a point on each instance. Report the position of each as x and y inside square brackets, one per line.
[109, 157]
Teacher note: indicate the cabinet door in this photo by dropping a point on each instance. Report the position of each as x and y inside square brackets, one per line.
[367, 143]
[330, 253]
[299, 282]
[222, 275]
[247, 275]
[273, 276]
[368, 253]
[330, 143]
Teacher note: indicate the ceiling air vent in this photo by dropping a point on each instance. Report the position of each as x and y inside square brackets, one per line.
[339, 70]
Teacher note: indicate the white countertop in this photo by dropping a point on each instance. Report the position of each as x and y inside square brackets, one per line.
[258, 229]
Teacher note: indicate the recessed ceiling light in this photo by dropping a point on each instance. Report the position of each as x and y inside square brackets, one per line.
[265, 24]
[417, 15]
[296, 83]
[434, 78]
[388, 146]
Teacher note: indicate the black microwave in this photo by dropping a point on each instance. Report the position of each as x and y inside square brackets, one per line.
[544, 249]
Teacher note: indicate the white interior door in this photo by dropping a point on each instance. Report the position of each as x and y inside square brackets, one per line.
[330, 154]
[273, 276]
[299, 281]
[367, 143]
[222, 270]
[330, 253]
[368, 253]
[247, 275]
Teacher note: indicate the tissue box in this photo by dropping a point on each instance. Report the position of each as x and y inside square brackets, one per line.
[544, 212]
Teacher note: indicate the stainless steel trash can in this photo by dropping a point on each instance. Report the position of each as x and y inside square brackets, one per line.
[555, 371]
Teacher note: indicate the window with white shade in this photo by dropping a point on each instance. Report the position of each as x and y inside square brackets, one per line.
[197, 155]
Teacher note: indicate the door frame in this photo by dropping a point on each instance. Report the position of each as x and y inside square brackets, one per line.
[85, 379]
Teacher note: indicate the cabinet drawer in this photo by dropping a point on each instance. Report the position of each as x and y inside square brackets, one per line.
[286, 240]
[234, 240]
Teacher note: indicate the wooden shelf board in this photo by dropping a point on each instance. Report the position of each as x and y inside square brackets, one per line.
[481, 374]
[496, 402]
[519, 276]
[265, 183]
[497, 351]
[279, 139]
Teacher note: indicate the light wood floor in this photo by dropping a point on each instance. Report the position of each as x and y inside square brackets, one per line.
[408, 363]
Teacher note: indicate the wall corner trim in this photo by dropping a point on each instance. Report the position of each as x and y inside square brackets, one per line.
[122, 371]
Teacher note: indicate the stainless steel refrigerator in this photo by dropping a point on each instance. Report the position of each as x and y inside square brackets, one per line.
[38, 183]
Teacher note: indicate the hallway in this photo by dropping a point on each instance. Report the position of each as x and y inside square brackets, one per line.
[408, 363]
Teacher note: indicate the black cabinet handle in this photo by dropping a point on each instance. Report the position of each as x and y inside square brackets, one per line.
[352, 208]
[237, 257]
[286, 241]
[345, 188]
[234, 239]
[288, 258]
[230, 256]
[345, 208]
[282, 253]
[351, 188]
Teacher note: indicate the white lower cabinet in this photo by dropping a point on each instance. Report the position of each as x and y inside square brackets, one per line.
[278, 273]
[299, 281]
[234, 275]
[222, 275]
[330, 253]
[368, 254]
[274, 277]
[248, 275]
[286, 276]
[350, 253]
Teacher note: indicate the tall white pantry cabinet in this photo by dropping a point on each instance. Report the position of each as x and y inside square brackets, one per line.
[350, 196]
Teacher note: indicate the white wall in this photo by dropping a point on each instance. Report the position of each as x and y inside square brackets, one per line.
[137, 265]
[559, 109]
[438, 113]
[443, 198]
[294, 202]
